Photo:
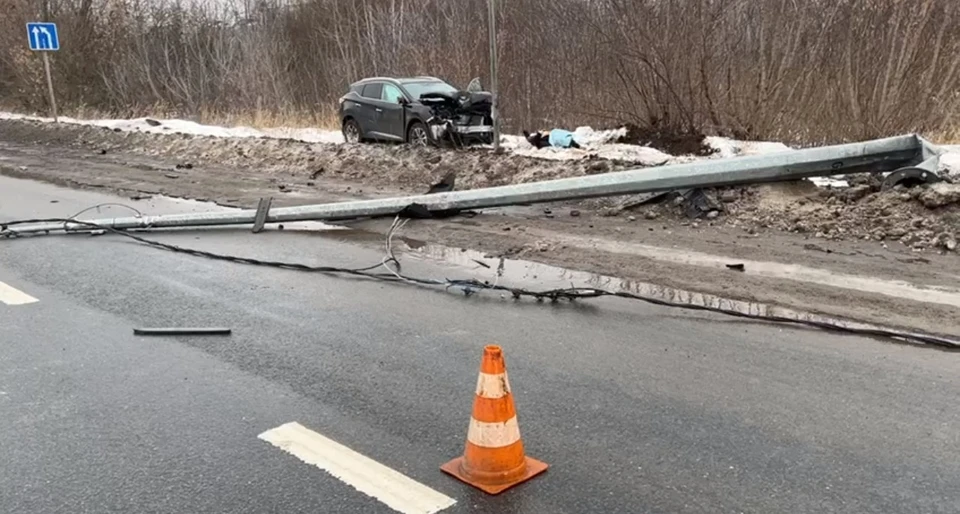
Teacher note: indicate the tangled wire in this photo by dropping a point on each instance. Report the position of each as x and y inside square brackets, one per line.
[393, 273]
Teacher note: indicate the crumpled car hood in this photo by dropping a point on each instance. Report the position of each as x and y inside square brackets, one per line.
[462, 102]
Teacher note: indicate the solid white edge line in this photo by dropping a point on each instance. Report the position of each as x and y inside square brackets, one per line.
[366, 475]
[13, 296]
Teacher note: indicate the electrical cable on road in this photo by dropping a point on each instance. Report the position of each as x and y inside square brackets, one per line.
[471, 286]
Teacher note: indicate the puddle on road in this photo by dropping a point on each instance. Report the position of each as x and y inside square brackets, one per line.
[895, 288]
[536, 276]
[530, 275]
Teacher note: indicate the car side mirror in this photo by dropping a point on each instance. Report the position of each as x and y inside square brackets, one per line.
[403, 101]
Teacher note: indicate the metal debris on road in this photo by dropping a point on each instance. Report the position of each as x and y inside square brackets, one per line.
[194, 331]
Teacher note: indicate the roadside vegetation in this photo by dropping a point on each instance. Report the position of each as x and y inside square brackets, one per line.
[799, 71]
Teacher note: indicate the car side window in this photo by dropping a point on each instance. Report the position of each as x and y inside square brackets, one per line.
[391, 94]
[372, 90]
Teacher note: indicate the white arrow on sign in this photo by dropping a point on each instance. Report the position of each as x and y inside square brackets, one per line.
[43, 30]
[36, 37]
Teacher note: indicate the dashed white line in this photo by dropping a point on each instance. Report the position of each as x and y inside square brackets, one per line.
[13, 296]
[366, 475]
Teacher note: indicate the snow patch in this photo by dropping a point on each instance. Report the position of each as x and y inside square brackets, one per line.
[829, 182]
[641, 155]
[727, 148]
[950, 159]
[596, 144]
[175, 126]
[587, 136]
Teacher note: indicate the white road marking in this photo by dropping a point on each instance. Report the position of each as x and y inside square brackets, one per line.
[366, 475]
[12, 296]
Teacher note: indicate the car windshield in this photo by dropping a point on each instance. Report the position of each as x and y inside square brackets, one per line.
[419, 88]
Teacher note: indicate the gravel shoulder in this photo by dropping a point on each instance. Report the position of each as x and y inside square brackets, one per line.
[881, 257]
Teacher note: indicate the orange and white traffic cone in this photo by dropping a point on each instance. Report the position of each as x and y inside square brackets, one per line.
[493, 460]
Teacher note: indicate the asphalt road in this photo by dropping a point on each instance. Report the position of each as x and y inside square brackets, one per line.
[636, 408]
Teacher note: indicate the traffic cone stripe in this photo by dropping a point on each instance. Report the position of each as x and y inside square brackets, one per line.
[493, 386]
[493, 435]
[493, 459]
[489, 410]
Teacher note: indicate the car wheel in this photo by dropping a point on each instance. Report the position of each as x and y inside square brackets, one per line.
[417, 134]
[351, 132]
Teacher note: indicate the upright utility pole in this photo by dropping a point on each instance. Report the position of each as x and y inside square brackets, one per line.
[492, 24]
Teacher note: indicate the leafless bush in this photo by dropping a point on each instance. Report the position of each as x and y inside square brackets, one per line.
[797, 70]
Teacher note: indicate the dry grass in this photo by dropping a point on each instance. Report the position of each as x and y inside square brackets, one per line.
[950, 136]
[766, 69]
[327, 119]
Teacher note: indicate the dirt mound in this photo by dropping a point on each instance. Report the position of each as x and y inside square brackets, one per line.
[671, 141]
[920, 218]
[390, 165]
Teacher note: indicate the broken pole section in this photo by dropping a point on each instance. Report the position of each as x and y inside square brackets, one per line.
[880, 155]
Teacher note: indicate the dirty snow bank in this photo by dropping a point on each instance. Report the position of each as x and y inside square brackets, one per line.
[599, 144]
[727, 148]
[175, 126]
[950, 160]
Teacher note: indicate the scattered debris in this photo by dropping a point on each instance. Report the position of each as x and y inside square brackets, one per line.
[445, 185]
[557, 138]
[263, 209]
[186, 166]
[729, 195]
[319, 171]
[697, 203]
[642, 199]
[171, 175]
[485, 265]
[574, 213]
[152, 122]
[137, 197]
[940, 194]
[182, 331]
[736, 267]
[816, 248]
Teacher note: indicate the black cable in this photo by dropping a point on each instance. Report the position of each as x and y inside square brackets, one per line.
[470, 286]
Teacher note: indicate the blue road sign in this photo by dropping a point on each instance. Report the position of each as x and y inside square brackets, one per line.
[43, 37]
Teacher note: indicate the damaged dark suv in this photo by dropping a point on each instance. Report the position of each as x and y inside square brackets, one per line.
[419, 111]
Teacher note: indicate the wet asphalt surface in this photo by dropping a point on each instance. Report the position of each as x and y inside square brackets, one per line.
[636, 408]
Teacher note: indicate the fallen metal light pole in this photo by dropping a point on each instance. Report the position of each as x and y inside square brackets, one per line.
[881, 155]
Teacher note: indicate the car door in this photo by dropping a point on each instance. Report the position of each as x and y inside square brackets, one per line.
[391, 112]
[367, 111]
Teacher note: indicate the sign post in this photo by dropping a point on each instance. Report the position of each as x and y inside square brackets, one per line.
[43, 38]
